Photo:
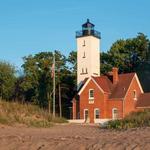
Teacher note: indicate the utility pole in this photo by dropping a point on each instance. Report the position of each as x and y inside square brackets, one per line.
[54, 84]
[60, 110]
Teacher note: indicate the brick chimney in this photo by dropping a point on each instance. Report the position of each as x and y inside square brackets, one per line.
[115, 75]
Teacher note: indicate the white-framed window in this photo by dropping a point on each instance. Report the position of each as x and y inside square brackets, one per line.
[115, 113]
[96, 113]
[91, 93]
[134, 95]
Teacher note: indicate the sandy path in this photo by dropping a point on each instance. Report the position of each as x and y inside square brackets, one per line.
[73, 137]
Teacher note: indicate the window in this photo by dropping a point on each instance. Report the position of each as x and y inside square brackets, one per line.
[83, 43]
[114, 113]
[134, 95]
[83, 55]
[86, 70]
[97, 113]
[82, 70]
[91, 94]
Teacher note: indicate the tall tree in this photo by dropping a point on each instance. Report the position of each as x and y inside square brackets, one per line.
[128, 54]
[38, 81]
[7, 80]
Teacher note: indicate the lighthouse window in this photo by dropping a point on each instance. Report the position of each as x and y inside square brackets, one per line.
[84, 55]
[82, 70]
[83, 43]
[86, 70]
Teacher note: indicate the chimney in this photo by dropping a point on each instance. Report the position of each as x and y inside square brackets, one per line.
[115, 75]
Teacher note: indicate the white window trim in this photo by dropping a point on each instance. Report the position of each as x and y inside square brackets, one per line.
[113, 113]
[95, 113]
[86, 83]
[91, 98]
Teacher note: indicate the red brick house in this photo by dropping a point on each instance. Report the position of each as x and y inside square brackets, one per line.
[102, 97]
[109, 97]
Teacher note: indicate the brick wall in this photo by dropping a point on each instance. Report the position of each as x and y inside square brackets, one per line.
[130, 102]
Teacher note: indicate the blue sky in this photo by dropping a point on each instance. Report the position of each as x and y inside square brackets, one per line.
[31, 26]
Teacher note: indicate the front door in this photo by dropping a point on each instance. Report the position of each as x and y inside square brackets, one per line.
[86, 115]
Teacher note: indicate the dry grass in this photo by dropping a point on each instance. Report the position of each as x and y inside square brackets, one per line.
[12, 113]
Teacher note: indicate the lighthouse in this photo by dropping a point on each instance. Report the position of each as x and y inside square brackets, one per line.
[88, 52]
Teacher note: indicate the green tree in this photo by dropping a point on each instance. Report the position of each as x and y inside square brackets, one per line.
[7, 80]
[105, 65]
[38, 81]
[128, 54]
[72, 60]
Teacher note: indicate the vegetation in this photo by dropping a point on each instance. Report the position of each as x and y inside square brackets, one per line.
[12, 113]
[35, 85]
[133, 120]
[127, 54]
[7, 80]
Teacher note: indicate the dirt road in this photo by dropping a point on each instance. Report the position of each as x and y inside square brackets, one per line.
[73, 137]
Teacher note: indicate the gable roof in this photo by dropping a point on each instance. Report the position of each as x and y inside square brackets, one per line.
[105, 84]
[143, 100]
[85, 84]
[121, 88]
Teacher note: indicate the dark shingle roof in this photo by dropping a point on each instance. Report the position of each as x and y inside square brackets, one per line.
[118, 90]
[104, 83]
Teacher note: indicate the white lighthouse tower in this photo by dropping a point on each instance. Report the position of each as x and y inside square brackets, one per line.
[88, 52]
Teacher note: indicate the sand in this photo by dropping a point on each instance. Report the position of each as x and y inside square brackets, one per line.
[73, 137]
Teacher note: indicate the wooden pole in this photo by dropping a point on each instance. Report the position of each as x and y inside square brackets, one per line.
[49, 104]
[54, 85]
[60, 110]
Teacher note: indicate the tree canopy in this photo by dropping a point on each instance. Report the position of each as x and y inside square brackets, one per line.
[126, 54]
[7, 80]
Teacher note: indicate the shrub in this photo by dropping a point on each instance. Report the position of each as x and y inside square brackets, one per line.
[133, 120]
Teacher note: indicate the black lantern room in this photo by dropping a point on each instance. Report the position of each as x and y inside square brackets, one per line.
[88, 30]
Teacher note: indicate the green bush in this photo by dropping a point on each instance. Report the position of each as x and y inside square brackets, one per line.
[133, 120]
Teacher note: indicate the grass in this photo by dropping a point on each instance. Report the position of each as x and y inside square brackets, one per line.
[133, 120]
[12, 113]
